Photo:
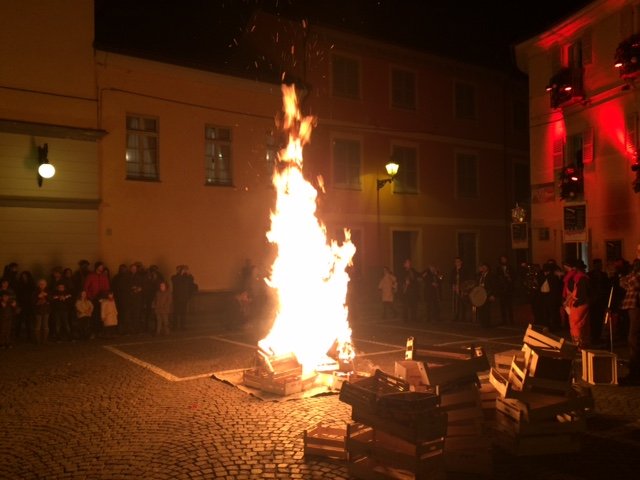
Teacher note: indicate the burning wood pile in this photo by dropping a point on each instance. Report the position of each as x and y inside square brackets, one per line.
[284, 375]
[540, 409]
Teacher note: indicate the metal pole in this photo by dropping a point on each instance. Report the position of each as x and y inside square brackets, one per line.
[607, 320]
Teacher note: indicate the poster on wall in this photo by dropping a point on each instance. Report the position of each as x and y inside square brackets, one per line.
[575, 223]
[519, 235]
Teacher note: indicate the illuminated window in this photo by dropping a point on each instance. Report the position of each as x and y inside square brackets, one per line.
[142, 148]
[466, 175]
[465, 101]
[403, 89]
[346, 77]
[217, 155]
[346, 163]
[406, 181]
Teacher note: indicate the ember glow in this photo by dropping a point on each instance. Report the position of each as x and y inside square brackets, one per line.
[309, 274]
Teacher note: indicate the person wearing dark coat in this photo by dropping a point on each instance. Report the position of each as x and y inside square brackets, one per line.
[487, 280]
[183, 288]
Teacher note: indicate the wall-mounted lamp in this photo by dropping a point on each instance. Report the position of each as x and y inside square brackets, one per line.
[392, 171]
[45, 169]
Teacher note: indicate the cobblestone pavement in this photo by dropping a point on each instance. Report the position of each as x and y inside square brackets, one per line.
[148, 408]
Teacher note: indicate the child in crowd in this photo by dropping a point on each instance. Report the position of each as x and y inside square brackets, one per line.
[162, 304]
[109, 315]
[84, 311]
[8, 311]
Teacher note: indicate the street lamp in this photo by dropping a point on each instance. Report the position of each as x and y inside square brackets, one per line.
[392, 171]
[45, 169]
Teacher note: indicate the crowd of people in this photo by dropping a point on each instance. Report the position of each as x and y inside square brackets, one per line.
[88, 302]
[407, 291]
[591, 305]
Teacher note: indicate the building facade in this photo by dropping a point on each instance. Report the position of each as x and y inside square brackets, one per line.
[171, 164]
[584, 134]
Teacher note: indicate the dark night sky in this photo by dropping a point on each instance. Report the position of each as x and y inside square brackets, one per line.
[480, 31]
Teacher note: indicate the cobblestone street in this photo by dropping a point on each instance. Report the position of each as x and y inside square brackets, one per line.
[143, 407]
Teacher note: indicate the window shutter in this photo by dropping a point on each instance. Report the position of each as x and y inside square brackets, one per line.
[558, 153]
[586, 48]
[587, 146]
[631, 134]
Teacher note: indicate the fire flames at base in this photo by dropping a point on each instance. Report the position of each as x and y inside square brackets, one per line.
[310, 335]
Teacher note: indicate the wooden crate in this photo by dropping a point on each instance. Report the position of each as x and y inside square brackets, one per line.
[502, 360]
[547, 364]
[422, 427]
[534, 407]
[599, 367]
[469, 455]
[538, 445]
[412, 371]
[520, 380]
[328, 441]
[364, 393]
[563, 423]
[256, 378]
[540, 337]
[376, 454]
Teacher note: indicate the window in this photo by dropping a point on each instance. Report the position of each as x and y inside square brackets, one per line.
[217, 155]
[467, 175]
[406, 181]
[465, 101]
[346, 77]
[403, 89]
[346, 163]
[142, 148]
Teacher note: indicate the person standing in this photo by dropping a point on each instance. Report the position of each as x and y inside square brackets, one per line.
[631, 304]
[505, 282]
[84, 312]
[41, 311]
[24, 296]
[388, 286]
[97, 285]
[60, 312]
[486, 280]
[183, 287]
[162, 306]
[460, 279]
[410, 292]
[109, 315]
[8, 311]
[432, 280]
[578, 304]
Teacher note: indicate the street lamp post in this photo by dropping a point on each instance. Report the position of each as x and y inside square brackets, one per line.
[392, 170]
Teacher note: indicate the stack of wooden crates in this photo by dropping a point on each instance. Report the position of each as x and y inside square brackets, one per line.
[539, 409]
[453, 372]
[397, 433]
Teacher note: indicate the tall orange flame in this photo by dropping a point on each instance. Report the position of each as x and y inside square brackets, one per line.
[309, 274]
